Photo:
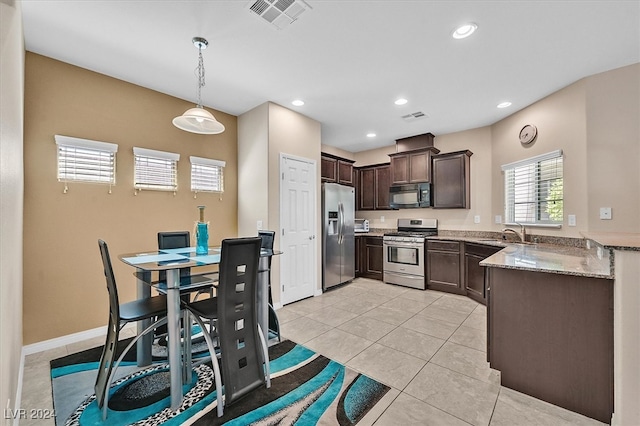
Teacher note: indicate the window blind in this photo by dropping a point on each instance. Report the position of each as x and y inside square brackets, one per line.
[83, 160]
[207, 175]
[534, 190]
[156, 170]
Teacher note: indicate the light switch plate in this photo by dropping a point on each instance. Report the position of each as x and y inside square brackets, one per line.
[381, 218]
[259, 225]
[476, 219]
[498, 219]
[605, 213]
[572, 220]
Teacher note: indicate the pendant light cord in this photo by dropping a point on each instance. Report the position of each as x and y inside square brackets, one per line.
[200, 71]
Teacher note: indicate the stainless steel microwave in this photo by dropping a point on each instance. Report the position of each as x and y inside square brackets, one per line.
[411, 196]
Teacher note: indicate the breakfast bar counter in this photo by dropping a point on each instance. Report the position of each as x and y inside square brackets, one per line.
[553, 259]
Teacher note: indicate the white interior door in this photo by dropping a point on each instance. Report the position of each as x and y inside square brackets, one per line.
[298, 223]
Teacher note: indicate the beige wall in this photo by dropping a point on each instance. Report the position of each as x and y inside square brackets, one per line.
[328, 149]
[64, 287]
[561, 122]
[277, 130]
[595, 121]
[11, 197]
[613, 148]
[253, 176]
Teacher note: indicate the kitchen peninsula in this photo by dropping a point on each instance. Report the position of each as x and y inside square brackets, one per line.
[550, 325]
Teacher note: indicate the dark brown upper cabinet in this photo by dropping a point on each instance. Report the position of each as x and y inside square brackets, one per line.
[451, 188]
[336, 169]
[372, 192]
[412, 166]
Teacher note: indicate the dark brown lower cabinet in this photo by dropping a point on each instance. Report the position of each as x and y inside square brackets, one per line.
[444, 266]
[474, 274]
[551, 337]
[371, 257]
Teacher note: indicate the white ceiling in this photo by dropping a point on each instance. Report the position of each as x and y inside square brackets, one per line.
[348, 60]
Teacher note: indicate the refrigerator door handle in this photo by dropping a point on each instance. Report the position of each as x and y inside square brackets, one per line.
[340, 223]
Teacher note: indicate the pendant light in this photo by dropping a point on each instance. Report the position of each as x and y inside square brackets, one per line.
[198, 119]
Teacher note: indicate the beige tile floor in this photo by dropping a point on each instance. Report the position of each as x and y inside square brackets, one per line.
[428, 346]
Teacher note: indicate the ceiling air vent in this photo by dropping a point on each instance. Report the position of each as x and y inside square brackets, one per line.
[279, 13]
[414, 116]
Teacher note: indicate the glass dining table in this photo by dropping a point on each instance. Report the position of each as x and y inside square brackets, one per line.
[171, 261]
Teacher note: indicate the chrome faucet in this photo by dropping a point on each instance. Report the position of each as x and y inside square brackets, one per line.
[522, 235]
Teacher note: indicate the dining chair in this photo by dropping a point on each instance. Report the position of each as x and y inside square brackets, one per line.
[179, 239]
[173, 240]
[243, 349]
[119, 315]
[268, 238]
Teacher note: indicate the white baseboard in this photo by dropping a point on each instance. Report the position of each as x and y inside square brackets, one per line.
[318, 292]
[66, 340]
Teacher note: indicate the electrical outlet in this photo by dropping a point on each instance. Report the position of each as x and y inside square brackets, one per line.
[572, 220]
[381, 218]
[605, 213]
[498, 219]
[476, 219]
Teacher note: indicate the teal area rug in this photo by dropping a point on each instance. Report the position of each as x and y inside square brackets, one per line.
[306, 389]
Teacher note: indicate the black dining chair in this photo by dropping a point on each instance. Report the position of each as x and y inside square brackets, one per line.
[242, 347]
[174, 240]
[119, 315]
[180, 239]
[268, 238]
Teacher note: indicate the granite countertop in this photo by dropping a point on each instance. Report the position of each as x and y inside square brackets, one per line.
[567, 256]
[553, 259]
[494, 242]
[374, 233]
[615, 240]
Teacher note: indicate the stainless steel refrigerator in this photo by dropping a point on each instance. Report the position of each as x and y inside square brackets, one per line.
[338, 241]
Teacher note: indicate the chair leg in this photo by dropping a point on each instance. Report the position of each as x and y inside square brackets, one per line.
[265, 355]
[105, 404]
[273, 320]
[214, 363]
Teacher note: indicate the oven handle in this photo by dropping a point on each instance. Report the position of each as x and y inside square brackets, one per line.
[401, 244]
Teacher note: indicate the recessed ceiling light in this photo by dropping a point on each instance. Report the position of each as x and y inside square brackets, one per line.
[298, 102]
[465, 30]
[504, 104]
[401, 101]
[371, 135]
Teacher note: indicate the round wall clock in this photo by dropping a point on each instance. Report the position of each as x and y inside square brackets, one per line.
[528, 134]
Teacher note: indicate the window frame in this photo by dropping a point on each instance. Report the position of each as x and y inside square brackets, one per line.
[199, 164]
[539, 187]
[86, 158]
[159, 165]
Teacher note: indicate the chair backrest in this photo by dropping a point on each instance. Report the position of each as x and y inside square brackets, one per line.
[113, 329]
[267, 238]
[114, 304]
[240, 345]
[171, 240]
[267, 241]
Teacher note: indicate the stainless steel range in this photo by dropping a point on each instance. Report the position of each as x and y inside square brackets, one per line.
[404, 252]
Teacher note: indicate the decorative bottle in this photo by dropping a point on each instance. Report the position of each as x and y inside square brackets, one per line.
[202, 234]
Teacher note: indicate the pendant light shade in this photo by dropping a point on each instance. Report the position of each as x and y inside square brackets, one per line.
[198, 119]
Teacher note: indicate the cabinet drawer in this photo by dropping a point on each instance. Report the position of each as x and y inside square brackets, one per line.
[443, 245]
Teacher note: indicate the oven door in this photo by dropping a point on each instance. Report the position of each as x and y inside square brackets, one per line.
[404, 258]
